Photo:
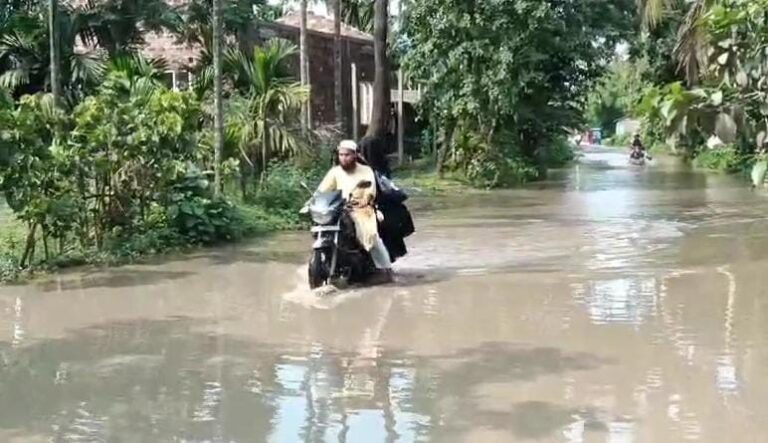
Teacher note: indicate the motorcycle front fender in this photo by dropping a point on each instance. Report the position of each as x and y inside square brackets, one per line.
[322, 242]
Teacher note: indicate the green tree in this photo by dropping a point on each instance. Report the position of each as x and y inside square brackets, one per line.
[690, 48]
[262, 116]
[731, 93]
[617, 94]
[121, 26]
[25, 48]
[116, 26]
[514, 72]
[358, 14]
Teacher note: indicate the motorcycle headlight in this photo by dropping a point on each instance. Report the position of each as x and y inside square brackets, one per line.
[322, 218]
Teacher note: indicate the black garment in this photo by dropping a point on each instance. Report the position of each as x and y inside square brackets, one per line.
[398, 223]
[374, 151]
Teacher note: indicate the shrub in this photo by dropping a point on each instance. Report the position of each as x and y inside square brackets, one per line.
[199, 217]
[282, 194]
[559, 154]
[725, 159]
[9, 267]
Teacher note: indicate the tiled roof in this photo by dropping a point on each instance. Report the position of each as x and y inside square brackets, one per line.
[324, 25]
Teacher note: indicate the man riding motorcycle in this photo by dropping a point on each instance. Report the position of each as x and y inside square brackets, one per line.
[345, 178]
[637, 151]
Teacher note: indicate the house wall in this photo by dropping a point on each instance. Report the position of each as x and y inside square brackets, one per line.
[321, 67]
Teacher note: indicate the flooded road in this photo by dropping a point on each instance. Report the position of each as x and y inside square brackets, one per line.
[609, 304]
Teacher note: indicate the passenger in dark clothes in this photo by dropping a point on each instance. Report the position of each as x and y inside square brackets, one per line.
[374, 150]
[397, 223]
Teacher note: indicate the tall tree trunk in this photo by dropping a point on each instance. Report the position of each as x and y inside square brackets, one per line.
[442, 154]
[381, 90]
[304, 63]
[264, 148]
[53, 34]
[337, 65]
[218, 95]
[29, 249]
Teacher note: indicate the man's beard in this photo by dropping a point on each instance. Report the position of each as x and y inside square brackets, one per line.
[350, 167]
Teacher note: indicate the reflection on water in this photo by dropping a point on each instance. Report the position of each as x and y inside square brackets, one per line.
[609, 303]
[621, 300]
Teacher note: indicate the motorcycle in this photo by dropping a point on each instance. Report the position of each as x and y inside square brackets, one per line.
[337, 257]
[638, 157]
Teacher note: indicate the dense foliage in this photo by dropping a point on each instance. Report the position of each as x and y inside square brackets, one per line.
[506, 79]
[705, 96]
[124, 166]
[617, 94]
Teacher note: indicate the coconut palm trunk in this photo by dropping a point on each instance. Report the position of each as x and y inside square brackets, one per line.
[218, 94]
[381, 90]
[337, 65]
[304, 63]
[53, 35]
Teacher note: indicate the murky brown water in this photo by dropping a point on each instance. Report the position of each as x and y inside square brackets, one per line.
[611, 304]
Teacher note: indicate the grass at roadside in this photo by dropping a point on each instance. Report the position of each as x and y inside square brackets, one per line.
[273, 210]
[420, 177]
[274, 207]
[142, 244]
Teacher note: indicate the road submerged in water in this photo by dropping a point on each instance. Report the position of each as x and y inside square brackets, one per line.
[611, 303]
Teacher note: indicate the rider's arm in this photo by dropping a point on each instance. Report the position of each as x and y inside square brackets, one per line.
[329, 182]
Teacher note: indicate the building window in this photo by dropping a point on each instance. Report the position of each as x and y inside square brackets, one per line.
[169, 79]
[178, 80]
[183, 80]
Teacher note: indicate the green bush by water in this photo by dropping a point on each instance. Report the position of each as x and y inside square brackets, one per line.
[560, 153]
[282, 194]
[727, 159]
[191, 217]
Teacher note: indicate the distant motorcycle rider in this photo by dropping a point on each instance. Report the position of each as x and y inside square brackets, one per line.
[637, 149]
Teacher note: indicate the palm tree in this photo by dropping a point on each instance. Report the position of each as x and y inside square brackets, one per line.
[358, 13]
[120, 26]
[262, 116]
[54, 53]
[28, 48]
[691, 46]
[218, 94]
[134, 75]
[381, 90]
[25, 55]
[237, 17]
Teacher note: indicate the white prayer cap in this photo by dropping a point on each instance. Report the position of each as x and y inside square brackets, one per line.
[347, 145]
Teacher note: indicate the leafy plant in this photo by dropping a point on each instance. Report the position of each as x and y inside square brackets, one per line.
[282, 193]
[523, 67]
[196, 215]
[725, 159]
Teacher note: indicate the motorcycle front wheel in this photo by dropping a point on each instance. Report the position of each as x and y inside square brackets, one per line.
[317, 270]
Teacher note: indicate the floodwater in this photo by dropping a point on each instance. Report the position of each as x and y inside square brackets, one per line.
[609, 304]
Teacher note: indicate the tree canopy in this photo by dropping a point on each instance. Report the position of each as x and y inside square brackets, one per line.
[521, 67]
